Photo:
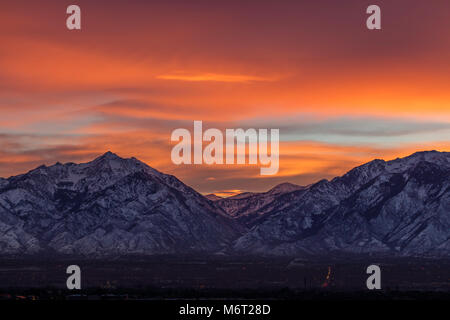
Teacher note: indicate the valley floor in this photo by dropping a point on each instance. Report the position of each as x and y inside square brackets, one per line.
[213, 277]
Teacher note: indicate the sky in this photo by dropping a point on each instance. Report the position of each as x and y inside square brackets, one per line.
[340, 94]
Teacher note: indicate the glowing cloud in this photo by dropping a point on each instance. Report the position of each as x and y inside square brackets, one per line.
[212, 77]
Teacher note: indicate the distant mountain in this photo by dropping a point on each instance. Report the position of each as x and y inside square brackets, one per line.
[113, 206]
[285, 188]
[213, 197]
[249, 207]
[399, 207]
[110, 206]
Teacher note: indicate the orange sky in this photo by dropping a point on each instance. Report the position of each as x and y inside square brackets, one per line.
[340, 94]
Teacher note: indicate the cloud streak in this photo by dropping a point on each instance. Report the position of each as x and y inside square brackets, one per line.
[213, 77]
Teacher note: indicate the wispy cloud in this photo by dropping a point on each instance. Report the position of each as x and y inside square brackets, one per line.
[342, 130]
[213, 77]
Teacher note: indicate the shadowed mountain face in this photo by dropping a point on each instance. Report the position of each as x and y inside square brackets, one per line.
[248, 208]
[108, 206]
[113, 206]
[398, 207]
[213, 197]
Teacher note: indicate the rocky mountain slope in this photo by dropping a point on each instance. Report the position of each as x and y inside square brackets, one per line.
[105, 207]
[397, 207]
[249, 207]
[212, 197]
[113, 206]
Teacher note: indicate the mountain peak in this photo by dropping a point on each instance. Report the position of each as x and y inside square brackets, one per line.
[436, 157]
[112, 160]
[428, 155]
[110, 156]
[285, 187]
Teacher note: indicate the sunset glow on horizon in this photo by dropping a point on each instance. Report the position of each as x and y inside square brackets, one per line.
[340, 94]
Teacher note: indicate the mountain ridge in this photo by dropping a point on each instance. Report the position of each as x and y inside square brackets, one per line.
[378, 207]
[107, 206]
[113, 206]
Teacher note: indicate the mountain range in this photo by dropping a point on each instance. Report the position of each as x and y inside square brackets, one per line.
[114, 207]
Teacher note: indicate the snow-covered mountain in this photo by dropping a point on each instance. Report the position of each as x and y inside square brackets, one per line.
[105, 207]
[113, 206]
[397, 207]
[213, 197]
[249, 207]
